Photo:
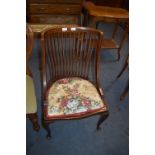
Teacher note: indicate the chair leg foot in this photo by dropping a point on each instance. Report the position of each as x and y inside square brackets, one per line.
[47, 128]
[103, 117]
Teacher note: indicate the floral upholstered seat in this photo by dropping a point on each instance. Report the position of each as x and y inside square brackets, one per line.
[73, 96]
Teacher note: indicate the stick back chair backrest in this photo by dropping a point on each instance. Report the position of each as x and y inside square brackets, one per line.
[67, 52]
[29, 46]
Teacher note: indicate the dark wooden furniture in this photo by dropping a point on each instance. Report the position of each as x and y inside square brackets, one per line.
[67, 54]
[54, 11]
[38, 28]
[31, 106]
[107, 14]
[112, 3]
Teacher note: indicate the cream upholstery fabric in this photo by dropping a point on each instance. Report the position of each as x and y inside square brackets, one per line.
[73, 96]
[31, 106]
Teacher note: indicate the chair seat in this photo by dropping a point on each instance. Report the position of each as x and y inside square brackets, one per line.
[73, 97]
[31, 105]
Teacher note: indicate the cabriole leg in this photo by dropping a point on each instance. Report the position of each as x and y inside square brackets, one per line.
[103, 117]
[47, 128]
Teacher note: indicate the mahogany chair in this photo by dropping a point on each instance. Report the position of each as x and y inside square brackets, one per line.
[31, 104]
[68, 91]
[109, 15]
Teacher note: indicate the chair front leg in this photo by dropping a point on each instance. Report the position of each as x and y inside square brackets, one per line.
[47, 128]
[103, 117]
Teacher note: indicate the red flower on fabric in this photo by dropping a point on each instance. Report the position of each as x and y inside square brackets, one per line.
[64, 102]
[73, 92]
[86, 103]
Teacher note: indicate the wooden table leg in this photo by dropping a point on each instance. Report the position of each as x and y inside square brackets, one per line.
[114, 31]
[125, 92]
[121, 43]
[124, 67]
[93, 22]
[85, 23]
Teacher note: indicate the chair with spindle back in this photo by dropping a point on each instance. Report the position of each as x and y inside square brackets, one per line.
[68, 93]
[31, 105]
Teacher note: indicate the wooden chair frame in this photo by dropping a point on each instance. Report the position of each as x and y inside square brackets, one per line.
[90, 11]
[53, 33]
[29, 45]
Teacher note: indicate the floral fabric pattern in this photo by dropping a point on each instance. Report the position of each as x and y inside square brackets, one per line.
[73, 96]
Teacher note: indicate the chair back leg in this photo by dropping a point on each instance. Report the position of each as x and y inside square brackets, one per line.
[34, 119]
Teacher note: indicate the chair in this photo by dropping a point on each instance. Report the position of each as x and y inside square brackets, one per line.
[31, 105]
[68, 92]
[110, 15]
